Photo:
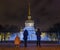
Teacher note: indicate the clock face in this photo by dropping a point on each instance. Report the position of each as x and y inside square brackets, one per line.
[29, 24]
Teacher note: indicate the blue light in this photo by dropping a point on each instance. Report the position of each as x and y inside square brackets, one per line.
[31, 35]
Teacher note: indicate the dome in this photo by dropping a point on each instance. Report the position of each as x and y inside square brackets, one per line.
[29, 20]
[29, 17]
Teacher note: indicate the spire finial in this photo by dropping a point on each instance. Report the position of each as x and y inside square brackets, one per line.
[29, 8]
[29, 15]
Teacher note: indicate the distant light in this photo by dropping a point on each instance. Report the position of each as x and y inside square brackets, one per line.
[43, 34]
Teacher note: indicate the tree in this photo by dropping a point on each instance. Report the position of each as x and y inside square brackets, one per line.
[13, 28]
[55, 28]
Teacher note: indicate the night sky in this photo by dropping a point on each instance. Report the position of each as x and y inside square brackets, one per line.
[45, 13]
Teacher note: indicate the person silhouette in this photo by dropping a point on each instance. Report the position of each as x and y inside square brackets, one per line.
[17, 41]
[38, 34]
[25, 36]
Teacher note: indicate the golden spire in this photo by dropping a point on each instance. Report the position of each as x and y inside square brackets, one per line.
[29, 9]
[29, 15]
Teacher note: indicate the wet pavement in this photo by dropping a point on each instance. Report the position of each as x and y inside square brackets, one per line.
[30, 46]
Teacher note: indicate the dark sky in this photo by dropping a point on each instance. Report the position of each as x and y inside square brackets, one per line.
[45, 13]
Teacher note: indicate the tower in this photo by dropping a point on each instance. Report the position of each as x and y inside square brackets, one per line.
[29, 26]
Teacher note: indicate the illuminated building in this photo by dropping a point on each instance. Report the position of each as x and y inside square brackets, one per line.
[29, 26]
[7, 36]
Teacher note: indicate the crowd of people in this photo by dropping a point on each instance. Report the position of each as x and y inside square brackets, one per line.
[25, 37]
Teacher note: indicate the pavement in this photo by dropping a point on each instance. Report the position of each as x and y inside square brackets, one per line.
[30, 46]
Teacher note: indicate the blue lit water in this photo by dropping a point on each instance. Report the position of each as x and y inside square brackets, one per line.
[31, 35]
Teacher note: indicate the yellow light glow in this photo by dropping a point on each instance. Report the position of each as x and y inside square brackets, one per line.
[43, 34]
